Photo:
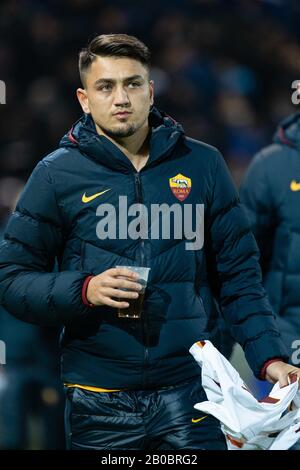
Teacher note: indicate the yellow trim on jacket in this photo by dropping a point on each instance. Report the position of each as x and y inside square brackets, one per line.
[91, 389]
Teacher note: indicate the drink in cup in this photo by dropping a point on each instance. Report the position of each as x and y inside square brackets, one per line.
[135, 305]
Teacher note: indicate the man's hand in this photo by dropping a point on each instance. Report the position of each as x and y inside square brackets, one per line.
[104, 287]
[279, 371]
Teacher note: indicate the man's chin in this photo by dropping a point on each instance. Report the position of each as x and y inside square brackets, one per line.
[121, 132]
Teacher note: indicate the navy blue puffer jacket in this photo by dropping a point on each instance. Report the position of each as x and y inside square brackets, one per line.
[271, 193]
[53, 221]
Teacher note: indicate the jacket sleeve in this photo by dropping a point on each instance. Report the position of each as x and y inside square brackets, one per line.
[234, 253]
[33, 238]
[256, 195]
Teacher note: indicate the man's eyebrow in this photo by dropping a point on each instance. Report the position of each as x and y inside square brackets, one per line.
[111, 80]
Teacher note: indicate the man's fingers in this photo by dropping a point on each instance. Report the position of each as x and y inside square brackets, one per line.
[122, 284]
[288, 379]
[283, 381]
[122, 272]
[283, 373]
[114, 303]
[121, 294]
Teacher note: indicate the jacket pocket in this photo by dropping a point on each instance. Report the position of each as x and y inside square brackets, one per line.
[96, 260]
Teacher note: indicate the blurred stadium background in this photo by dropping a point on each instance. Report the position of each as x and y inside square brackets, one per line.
[223, 68]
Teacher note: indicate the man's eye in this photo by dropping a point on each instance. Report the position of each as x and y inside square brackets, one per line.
[105, 87]
[134, 84]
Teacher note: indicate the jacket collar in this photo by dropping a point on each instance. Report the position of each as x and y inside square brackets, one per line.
[165, 133]
[288, 131]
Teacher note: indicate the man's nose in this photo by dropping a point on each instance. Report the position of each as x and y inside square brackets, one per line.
[121, 96]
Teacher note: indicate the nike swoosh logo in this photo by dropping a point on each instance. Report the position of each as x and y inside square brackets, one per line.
[295, 186]
[194, 420]
[86, 198]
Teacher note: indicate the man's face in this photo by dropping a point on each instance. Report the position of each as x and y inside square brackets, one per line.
[118, 94]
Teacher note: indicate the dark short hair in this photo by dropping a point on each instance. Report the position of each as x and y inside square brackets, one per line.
[113, 45]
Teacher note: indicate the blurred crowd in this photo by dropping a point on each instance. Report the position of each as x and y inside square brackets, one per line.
[223, 68]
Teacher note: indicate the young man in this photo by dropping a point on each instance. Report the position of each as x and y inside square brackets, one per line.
[271, 194]
[131, 383]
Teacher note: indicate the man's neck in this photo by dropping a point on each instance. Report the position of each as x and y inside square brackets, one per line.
[135, 147]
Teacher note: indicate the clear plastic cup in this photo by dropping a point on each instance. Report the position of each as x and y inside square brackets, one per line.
[135, 305]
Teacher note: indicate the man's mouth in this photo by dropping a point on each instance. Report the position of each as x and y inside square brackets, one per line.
[122, 114]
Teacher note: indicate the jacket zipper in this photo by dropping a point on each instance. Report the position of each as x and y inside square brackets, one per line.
[140, 201]
[139, 196]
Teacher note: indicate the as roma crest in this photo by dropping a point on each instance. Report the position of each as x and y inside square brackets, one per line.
[180, 186]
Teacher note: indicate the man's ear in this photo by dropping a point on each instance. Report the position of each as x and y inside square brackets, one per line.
[83, 100]
[151, 86]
